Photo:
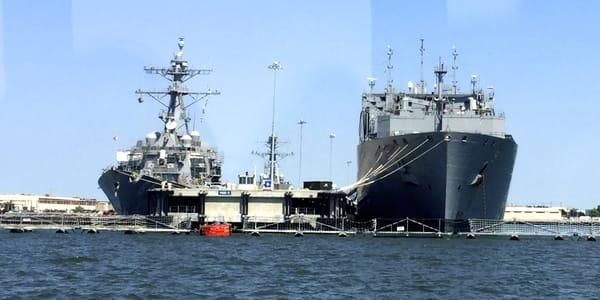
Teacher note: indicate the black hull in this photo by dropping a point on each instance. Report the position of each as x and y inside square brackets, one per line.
[443, 183]
[129, 196]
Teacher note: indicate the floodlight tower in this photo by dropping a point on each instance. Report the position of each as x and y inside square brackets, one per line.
[301, 123]
[275, 66]
[331, 137]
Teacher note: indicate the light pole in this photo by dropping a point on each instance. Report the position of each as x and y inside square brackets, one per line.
[331, 137]
[275, 66]
[348, 162]
[301, 123]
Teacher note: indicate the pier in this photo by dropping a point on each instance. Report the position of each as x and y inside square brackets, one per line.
[309, 223]
[64, 223]
[237, 206]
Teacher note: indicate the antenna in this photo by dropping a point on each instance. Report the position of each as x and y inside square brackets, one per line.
[422, 51]
[474, 82]
[389, 68]
[371, 83]
[194, 123]
[454, 68]
[440, 71]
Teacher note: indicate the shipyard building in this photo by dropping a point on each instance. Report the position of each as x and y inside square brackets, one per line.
[39, 204]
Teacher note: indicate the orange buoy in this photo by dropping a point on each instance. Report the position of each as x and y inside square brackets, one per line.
[216, 230]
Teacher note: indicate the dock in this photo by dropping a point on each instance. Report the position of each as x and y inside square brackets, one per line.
[309, 223]
[64, 223]
[237, 206]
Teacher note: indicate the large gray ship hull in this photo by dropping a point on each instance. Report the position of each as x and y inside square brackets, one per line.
[128, 193]
[465, 177]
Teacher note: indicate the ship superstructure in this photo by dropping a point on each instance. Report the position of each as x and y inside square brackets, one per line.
[442, 154]
[174, 156]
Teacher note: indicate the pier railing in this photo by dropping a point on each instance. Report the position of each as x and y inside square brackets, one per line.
[301, 224]
[62, 221]
[566, 227]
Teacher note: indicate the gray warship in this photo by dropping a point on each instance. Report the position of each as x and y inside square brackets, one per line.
[442, 155]
[174, 157]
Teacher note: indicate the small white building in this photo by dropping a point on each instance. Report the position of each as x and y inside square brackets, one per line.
[534, 213]
[36, 203]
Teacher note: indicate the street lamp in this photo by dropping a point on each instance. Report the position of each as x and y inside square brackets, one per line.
[275, 66]
[331, 137]
[301, 123]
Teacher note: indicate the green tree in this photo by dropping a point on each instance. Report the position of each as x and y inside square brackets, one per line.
[573, 212]
[78, 209]
[595, 212]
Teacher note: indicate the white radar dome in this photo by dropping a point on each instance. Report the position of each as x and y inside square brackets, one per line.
[150, 138]
[187, 140]
[195, 135]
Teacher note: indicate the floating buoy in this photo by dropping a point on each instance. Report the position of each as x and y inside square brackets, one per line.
[591, 238]
[470, 236]
[514, 237]
[219, 230]
[175, 233]
[92, 231]
[62, 230]
[558, 238]
[342, 234]
[298, 234]
[254, 233]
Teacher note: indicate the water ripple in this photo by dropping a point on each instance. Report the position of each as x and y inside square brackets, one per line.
[46, 265]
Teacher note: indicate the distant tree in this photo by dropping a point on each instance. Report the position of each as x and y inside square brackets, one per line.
[78, 209]
[573, 212]
[595, 212]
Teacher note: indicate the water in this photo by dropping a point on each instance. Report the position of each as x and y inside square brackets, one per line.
[47, 265]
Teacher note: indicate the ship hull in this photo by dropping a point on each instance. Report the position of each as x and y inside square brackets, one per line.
[461, 176]
[128, 194]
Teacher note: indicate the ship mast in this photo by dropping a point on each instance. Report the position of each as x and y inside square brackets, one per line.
[389, 68]
[178, 73]
[422, 51]
[454, 68]
[439, 71]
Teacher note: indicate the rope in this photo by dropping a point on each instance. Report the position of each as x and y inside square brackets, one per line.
[402, 166]
[382, 168]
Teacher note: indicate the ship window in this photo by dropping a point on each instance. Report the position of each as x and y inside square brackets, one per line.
[409, 103]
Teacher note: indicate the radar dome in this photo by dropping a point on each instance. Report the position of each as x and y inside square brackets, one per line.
[195, 135]
[150, 138]
[187, 140]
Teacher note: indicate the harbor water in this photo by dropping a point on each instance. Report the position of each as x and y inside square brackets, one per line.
[43, 264]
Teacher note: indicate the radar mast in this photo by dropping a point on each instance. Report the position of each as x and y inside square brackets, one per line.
[176, 109]
[454, 68]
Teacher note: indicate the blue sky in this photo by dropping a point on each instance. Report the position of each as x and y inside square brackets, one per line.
[69, 69]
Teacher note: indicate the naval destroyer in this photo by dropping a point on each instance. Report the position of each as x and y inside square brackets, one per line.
[173, 157]
[443, 154]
